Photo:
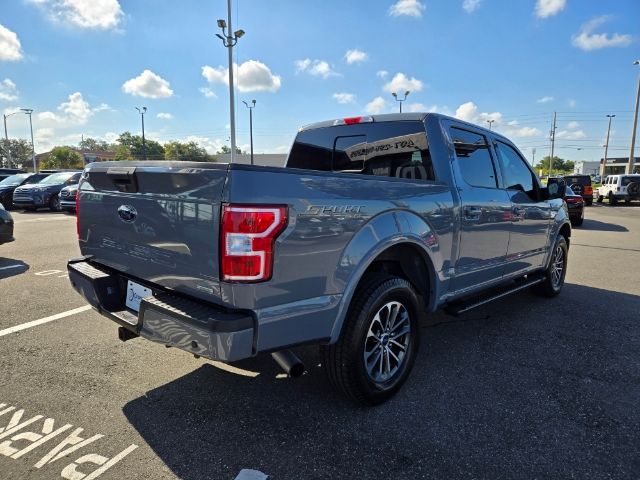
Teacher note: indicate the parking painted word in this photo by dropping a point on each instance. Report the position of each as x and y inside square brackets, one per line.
[41, 438]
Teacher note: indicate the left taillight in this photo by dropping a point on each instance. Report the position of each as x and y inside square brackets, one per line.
[78, 213]
[248, 235]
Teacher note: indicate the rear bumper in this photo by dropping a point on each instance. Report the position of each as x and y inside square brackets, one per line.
[168, 318]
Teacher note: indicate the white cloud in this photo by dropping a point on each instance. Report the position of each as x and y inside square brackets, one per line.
[411, 8]
[250, 76]
[211, 145]
[355, 56]
[469, 112]
[90, 14]
[377, 105]
[317, 68]
[522, 132]
[545, 99]
[471, 5]
[8, 90]
[548, 8]
[10, 48]
[207, 92]
[344, 97]
[573, 125]
[148, 85]
[382, 73]
[401, 83]
[586, 40]
[571, 103]
[76, 111]
[571, 135]
[164, 116]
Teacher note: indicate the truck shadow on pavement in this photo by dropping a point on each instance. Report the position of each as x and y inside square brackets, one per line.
[598, 226]
[519, 388]
[10, 267]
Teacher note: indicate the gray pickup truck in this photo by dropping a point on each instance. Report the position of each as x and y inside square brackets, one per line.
[373, 223]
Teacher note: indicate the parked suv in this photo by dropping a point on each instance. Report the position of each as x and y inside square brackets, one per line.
[9, 184]
[581, 185]
[6, 226]
[7, 172]
[68, 198]
[46, 192]
[620, 187]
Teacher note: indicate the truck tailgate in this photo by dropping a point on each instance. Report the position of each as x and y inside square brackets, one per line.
[157, 222]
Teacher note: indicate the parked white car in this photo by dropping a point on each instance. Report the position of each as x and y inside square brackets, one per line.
[620, 187]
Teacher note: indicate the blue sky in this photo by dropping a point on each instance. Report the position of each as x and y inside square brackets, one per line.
[83, 65]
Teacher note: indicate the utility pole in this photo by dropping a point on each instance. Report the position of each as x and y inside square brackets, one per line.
[606, 148]
[251, 124]
[144, 143]
[29, 111]
[395, 95]
[533, 161]
[490, 122]
[229, 40]
[553, 143]
[635, 126]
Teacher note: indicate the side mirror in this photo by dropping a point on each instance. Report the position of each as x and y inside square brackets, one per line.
[556, 187]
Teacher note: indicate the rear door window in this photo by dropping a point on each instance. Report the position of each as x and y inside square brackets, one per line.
[474, 158]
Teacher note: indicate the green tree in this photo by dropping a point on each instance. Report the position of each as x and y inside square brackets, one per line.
[129, 147]
[94, 145]
[20, 152]
[187, 151]
[559, 165]
[62, 157]
[225, 149]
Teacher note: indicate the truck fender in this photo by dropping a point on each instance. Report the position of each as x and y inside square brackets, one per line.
[560, 225]
[383, 231]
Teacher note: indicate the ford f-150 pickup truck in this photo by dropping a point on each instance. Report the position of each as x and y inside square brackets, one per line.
[374, 222]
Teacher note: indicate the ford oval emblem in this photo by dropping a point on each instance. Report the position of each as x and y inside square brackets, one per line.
[127, 213]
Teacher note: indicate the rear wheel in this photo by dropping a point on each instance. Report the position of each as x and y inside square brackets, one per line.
[554, 278]
[54, 203]
[588, 203]
[379, 341]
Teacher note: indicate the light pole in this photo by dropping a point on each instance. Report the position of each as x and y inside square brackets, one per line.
[635, 126]
[229, 41]
[6, 137]
[533, 153]
[251, 107]
[606, 147]
[144, 143]
[395, 95]
[490, 122]
[29, 111]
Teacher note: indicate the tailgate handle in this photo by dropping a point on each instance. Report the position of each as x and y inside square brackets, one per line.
[124, 178]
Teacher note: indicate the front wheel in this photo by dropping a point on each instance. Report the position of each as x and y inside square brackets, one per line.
[54, 204]
[379, 341]
[612, 199]
[554, 276]
[600, 199]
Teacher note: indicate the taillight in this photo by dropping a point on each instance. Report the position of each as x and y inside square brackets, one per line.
[78, 213]
[247, 239]
[353, 120]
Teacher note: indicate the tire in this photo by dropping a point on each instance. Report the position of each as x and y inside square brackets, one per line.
[554, 278]
[367, 334]
[577, 222]
[599, 199]
[612, 199]
[588, 203]
[54, 204]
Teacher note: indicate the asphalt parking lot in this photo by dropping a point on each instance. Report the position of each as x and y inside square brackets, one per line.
[521, 388]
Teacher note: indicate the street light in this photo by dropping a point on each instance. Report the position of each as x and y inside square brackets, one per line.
[29, 111]
[6, 136]
[144, 144]
[635, 125]
[606, 147]
[490, 122]
[251, 124]
[395, 95]
[229, 42]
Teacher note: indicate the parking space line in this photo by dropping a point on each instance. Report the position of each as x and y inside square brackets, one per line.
[12, 266]
[35, 323]
[43, 219]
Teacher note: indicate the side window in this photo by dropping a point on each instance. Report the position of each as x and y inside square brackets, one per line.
[312, 150]
[515, 172]
[349, 154]
[474, 158]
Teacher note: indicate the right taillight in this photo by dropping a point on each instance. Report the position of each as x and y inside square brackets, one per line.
[248, 234]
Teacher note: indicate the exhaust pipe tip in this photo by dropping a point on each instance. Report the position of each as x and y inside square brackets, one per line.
[289, 362]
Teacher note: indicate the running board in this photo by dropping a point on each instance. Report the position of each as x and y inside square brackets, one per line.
[460, 307]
